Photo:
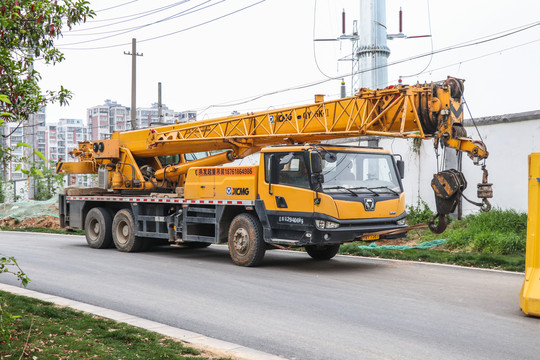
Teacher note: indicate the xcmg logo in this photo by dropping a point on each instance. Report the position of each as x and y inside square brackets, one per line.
[237, 191]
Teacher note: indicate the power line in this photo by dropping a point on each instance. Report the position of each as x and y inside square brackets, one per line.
[431, 38]
[475, 58]
[171, 33]
[143, 14]
[450, 48]
[124, 31]
[314, 51]
[116, 6]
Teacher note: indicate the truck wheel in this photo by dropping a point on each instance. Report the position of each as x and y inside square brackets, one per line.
[246, 244]
[123, 233]
[97, 226]
[322, 252]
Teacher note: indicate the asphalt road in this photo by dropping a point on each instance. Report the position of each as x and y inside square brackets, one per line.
[346, 308]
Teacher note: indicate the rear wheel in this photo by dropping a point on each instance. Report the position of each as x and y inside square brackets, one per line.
[322, 252]
[123, 233]
[97, 226]
[246, 244]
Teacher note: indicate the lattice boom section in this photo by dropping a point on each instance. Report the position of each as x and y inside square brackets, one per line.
[389, 112]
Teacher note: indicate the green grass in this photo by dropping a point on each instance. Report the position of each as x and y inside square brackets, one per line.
[498, 232]
[473, 259]
[46, 331]
[496, 240]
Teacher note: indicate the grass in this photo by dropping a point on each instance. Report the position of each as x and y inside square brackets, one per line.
[496, 240]
[479, 260]
[46, 331]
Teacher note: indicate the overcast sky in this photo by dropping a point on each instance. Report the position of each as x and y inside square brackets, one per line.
[239, 49]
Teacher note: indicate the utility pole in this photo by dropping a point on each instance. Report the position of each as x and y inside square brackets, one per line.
[160, 105]
[134, 55]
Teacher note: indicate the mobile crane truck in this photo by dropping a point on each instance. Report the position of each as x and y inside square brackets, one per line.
[154, 186]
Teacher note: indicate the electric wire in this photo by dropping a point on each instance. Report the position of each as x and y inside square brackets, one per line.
[148, 13]
[314, 49]
[478, 57]
[453, 47]
[116, 6]
[431, 39]
[177, 15]
[122, 17]
[168, 34]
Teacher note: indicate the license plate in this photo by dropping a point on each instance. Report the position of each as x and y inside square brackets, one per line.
[370, 237]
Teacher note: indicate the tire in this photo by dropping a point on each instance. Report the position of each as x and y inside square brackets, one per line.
[322, 252]
[97, 228]
[123, 233]
[246, 244]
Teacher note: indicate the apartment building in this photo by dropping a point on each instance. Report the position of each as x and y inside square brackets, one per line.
[104, 119]
[147, 117]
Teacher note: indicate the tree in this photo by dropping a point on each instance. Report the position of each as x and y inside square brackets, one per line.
[28, 29]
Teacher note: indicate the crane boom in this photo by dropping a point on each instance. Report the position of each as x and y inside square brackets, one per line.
[420, 111]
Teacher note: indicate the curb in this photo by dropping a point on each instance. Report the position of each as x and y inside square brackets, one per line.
[197, 340]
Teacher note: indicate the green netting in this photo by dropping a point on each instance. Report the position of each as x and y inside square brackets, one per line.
[29, 209]
[424, 245]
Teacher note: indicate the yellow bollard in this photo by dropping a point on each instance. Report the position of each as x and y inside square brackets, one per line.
[529, 296]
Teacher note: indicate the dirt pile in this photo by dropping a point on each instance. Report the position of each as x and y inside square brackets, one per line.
[43, 221]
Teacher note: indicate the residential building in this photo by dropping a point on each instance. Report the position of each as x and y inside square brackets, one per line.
[104, 119]
[147, 117]
[185, 116]
[62, 138]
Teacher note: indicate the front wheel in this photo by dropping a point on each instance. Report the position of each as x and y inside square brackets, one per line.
[246, 244]
[322, 252]
[123, 233]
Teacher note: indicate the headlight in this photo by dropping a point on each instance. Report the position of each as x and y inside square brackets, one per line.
[321, 224]
[331, 225]
[402, 222]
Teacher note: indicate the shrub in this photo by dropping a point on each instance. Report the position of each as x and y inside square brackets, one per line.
[418, 214]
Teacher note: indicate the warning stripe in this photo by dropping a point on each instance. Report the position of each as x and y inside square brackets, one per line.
[160, 200]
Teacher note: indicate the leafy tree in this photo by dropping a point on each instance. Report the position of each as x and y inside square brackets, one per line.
[9, 265]
[28, 29]
[49, 183]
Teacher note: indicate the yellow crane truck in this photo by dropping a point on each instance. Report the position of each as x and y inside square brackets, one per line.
[168, 183]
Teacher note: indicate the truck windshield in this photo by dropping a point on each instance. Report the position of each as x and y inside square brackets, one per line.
[360, 173]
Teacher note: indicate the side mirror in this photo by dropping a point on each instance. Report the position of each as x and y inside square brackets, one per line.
[401, 168]
[315, 161]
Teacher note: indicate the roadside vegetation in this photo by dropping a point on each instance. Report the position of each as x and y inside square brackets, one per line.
[42, 330]
[495, 239]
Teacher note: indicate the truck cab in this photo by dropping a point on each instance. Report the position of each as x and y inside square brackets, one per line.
[311, 196]
[330, 195]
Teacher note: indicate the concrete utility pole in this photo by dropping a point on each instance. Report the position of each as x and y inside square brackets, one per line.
[134, 55]
[160, 105]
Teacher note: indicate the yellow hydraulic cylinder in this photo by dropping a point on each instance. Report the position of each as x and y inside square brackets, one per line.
[529, 296]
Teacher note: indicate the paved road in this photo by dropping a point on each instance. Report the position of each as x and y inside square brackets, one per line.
[347, 308]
